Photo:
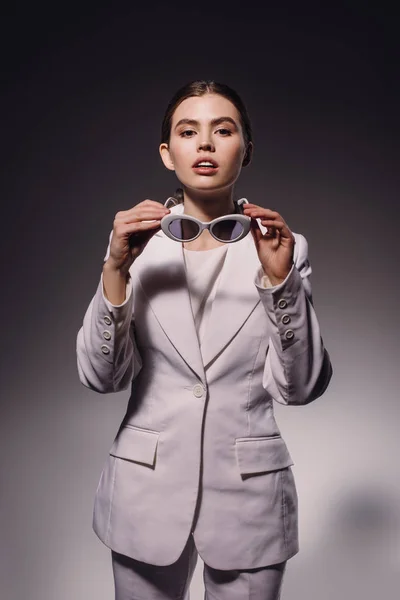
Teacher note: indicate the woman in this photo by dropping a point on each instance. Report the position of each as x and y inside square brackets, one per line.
[208, 331]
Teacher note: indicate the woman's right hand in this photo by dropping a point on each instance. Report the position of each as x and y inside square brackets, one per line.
[132, 230]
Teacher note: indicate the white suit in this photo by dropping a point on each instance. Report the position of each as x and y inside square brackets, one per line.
[199, 449]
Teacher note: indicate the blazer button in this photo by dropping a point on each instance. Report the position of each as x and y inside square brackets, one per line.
[105, 349]
[107, 320]
[289, 334]
[106, 335]
[282, 303]
[285, 319]
[198, 390]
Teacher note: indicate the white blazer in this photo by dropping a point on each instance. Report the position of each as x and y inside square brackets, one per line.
[199, 449]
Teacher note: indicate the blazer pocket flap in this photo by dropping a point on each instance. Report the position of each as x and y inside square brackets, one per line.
[138, 445]
[261, 454]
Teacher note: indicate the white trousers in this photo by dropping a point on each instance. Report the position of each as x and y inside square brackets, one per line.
[135, 580]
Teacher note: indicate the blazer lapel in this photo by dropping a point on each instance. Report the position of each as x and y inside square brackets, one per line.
[163, 278]
[235, 299]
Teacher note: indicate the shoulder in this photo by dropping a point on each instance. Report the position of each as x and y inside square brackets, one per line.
[300, 255]
[301, 244]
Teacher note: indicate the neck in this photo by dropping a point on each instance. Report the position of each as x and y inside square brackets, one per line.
[210, 206]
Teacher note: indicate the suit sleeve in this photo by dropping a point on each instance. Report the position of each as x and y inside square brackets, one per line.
[107, 355]
[297, 367]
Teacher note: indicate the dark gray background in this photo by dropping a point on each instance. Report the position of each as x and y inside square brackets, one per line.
[83, 94]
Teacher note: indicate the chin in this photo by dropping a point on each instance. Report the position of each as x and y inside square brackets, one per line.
[209, 187]
[208, 194]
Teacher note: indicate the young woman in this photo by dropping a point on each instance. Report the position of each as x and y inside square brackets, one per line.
[209, 322]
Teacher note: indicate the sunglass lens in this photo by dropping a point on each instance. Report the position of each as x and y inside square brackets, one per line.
[183, 229]
[227, 230]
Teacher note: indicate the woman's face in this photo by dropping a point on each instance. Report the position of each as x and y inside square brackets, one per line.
[205, 127]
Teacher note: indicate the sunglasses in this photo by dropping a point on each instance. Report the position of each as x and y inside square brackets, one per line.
[228, 228]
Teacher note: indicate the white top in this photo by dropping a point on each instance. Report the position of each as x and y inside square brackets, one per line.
[203, 271]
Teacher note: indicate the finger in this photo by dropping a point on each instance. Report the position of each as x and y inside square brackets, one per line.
[272, 223]
[252, 206]
[142, 214]
[125, 230]
[145, 204]
[264, 231]
[149, 209]
[139, 238]
[144, 225]
[279, 225]
[255, 230]
[142, 235]
[142, 210]
[262, 212]
[149, 202]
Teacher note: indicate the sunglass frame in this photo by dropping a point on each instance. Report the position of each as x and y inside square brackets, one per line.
[242, 219]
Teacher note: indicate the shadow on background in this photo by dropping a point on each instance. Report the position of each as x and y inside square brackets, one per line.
[357, 556]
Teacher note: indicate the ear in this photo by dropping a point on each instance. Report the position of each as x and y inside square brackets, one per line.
[166, 156]
[248, 156]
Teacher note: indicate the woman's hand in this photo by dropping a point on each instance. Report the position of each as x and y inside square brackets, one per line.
[132, 230]
[275, 248]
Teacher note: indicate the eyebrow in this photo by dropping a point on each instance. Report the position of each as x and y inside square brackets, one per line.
[216, 121]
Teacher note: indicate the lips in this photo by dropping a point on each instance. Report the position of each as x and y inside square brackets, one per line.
[205, 159]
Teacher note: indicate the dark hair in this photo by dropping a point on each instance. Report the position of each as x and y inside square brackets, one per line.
[200, 88]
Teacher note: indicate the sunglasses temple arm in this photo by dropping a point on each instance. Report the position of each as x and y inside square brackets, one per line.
[239, 204]
[171, 199]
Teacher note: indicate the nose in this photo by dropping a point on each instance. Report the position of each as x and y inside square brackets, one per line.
[206, 145]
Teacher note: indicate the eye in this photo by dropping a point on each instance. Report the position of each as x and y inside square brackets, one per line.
[182, 134]
[225, 131]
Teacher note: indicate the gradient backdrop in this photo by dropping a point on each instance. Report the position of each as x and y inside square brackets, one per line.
[83, 95]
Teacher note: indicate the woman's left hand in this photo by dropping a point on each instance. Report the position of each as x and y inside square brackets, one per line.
[275, 248]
